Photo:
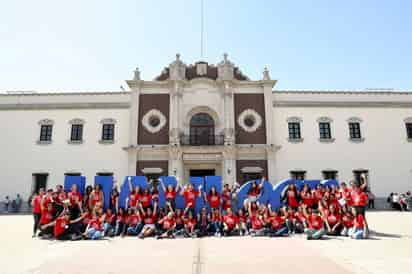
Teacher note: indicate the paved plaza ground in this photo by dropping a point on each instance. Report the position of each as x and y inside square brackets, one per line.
[388, 251]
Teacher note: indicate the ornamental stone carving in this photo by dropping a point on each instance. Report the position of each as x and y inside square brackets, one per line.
[45, 122]
[77, 121]
[177, 69]
[225, 69]
[249, 120]
[154, 120]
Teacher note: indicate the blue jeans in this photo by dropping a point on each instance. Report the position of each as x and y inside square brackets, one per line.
[108, 229]
[278, 232]
[94, 234]
[356, 233]
[315, 234]
[134, 230]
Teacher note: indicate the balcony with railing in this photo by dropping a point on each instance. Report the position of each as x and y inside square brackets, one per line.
[202, 140]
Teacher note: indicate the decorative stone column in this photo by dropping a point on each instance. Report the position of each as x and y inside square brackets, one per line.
[229, 165]
[135, 86]
[267, 85]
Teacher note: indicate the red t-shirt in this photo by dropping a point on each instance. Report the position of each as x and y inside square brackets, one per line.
[109, 218]
[214, 200]
[170, 195]
[333, 219]
[347, 195]
[72, 197]
[120, 218]
[292, 201]
[146, 199]
[315, 222]
[242, 219]
[359, 198]
[254, 192]
[60, 226]
[134, 219]
[168, 223]
[149, 220]
[97, 197]
[359, 221]
[307, 198]
[276, 222]
[96, 224]
[300, 217]
[190, 222]
[230, 220]
[47, 200]
[46, 217]
[257, 223]
[61, 196]
[216, 217]
[179, 218]
[36, 204]
[133, 198]
[347, 221]
[190, 197]
[227, 199]
[317, 195]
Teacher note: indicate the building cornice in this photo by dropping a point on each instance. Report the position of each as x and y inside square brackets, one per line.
[61, 93]
[345, 104]
[46, 106]
[343, 92]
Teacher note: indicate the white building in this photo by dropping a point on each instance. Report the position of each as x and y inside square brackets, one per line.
[202, 119]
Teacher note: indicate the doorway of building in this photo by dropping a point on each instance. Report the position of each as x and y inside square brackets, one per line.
[39, 181]
[202, 172]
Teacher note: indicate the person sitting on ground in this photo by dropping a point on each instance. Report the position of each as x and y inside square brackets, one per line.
[347, 222]
[94, 230]
[289, 218]
[230, 223]
[47, 222]
[149, 219]
[120, 227]
[204, 223]
[133, 222]
[168, 225]
[256, 221]
[300, 220]
[109, 223]
[315, 228]
[216, 222]
[65, 229]
[179, 219]
[190, 224]
[243, 230]
[332, 220]
[276, 223]
[359, 229]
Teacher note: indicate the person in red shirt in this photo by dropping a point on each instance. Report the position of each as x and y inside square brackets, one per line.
[146, 199]
[253, 192]
[47, 221]
[168, 225]
[190, 194]
[134, 196]
[114, 200]
[170, 194]
[289, 217]
[216, 222]
[109, 223]
[134, 222]
[226, 197]
[306, 196]
[35, 203]
[276, 224]
[75, 200]
[204, 226]
[190, 224]
[359, 229]
[96, 197]
[291, 196]
[317, 195]
[347, 223]
[332, 220]
[243, 230]
[120, 222]
[256, 221]
[230, 223]
[94, 229]
[315, 228]
[149, 219]
[64, 228]
[213, 198]
[300, 220]
[179, 219]
[46, 199]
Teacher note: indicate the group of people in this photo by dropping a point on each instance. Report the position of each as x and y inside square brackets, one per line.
[401, 202]
[334, 210]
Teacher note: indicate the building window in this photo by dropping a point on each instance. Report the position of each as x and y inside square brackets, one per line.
[324, 130]
[297, 174]
[46, 133]
[108, 132]
[294, 131]
[76, 133]
[330, 174]
[357, 174]
[354, 131]
[409, 130]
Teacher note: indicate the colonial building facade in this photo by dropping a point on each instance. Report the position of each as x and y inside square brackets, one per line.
[203, 119]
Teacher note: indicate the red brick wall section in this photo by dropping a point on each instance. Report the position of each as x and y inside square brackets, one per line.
[250, 163]
[153, 101]
[159, 164]
[257, 103]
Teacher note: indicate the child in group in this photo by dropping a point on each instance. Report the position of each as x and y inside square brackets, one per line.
[230, 223]
[315, 229]
[133, 222]
[94, 229]
[276, 223]
[359, 229]
[149, 219]
[168, 225]
[190, 225]
[242, 218]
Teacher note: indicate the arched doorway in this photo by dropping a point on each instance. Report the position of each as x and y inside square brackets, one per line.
[202, 130]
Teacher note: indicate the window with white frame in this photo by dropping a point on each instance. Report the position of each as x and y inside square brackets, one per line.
[408, 127]
[76, 130]
[46, 131]
[294, 129]
[108, 130]
[354, 125]
[325, 130]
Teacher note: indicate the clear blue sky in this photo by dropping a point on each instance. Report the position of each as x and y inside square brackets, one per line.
[95, 45]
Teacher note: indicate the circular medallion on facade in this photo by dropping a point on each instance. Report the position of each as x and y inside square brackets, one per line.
[154, 120]
[249, 120]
